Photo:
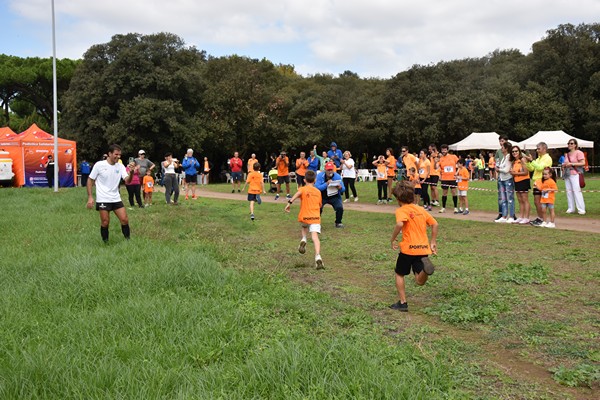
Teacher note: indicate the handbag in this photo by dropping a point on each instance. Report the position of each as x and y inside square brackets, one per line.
[581, 180]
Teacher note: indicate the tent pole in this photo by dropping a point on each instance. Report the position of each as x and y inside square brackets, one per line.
[55, 102]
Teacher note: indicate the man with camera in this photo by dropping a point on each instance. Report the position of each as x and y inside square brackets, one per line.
[283, 174]
[170, 178]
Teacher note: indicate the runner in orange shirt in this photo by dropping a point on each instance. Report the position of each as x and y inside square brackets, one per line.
[283, 174]
[390, 163]
[447, 165]
[256, 187]
[462, 181]
[301, 167]
[434, 174]
[309, 215]
[412, 221]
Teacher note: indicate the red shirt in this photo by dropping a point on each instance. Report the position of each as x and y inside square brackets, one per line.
[236, 164]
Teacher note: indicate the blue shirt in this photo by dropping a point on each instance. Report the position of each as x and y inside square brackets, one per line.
[313, 163]
[338, 154]
[190, 165]
[321, 183]
[86, 168]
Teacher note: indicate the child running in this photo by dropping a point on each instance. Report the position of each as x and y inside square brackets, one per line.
[310, 215]
[547, 185]
[255, 188]
[462, 181]
[148, 183]
[412, 221]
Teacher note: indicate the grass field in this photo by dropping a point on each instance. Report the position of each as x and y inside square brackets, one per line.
[203, 303]
[482, 196]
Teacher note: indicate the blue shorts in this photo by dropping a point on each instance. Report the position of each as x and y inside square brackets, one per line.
[236, 176]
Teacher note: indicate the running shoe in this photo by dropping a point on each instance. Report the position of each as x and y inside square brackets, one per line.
[258, 199]
[457, 211]
[319, 262]
[442, 210]
[427, 265]
[276, 196]
[355, 199]
[302, 247]
[400, 306]
[543, 224]
[345, 201]
[466, 212]
[511, 220]
[550, 225]
[252, 217]
[501, 220]
[524, 221]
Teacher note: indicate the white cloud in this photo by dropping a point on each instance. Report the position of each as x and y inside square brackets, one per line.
[373, 38]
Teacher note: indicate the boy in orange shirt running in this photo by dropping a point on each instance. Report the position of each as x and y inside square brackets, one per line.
[462, 180]
[310, 215]
[257, 186]
[412, 221]
[148, 183]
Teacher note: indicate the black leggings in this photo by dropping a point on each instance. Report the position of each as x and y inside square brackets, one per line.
[425, 194]
[349, 184]
[134, 190]
[382, 189]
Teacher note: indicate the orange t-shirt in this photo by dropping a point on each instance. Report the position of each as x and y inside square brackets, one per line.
[462, 179]
[251, 163]
[301, 166]
[414, 231]
[391, 166]
[282, 167]
[448, 166]
[255, 181]
[409, 161]
[516, 167]
[434, 171]
[310, 206]
[415, 180]
[381, 172]
[423, 164]
[492, 163]
[148, 184]
[548, 189]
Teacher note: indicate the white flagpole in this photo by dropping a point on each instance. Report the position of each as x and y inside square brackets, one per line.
[55, 102]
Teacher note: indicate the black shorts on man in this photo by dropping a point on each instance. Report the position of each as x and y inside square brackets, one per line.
[448, 184]
[406, 262]
[109, 206]
[283, 179]
[191, 178]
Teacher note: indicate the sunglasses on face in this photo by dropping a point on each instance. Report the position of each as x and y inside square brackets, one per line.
[570, 143]
[516, 151]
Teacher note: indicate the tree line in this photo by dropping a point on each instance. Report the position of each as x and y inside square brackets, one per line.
[156, 93]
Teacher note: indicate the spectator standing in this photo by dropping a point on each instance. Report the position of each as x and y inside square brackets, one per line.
[314, 162]
[283, 174]
[335, 155]
[572, 165]
[390, 163]
[434, 175]
[49, 165]
[447, 165]
[190, 166]
[85, 169]
[409, 161]
[170, 179]
[349, 176]
[522, 185]
[506, 185]
[382, 181]
[492, 166]
[537, 166]
[501, 140]
[148, 183]
[462, 181]
[324, 160]
[480, 167]
[547, 186]
[424, 171]
[133, 186]
[331, 186]
[301, 168]
[143, 163]
[206, 167]
[235, 165]
[251, 161]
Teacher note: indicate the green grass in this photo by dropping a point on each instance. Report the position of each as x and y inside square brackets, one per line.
[482, 196]
[203, 303]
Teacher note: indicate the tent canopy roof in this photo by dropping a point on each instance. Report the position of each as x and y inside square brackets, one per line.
[554, 140]
[478, 141]
[6, 133]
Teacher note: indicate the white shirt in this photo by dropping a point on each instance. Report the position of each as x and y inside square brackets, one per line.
[170, 169]
[107, 179]
[348, 170]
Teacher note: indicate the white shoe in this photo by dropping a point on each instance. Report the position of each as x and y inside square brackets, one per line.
[581, 212]
[355, 199]
[501, 220]
[319, 262]
[550, 225]
[518, 220]
[569, 211]
[345, 201]
[511, 220]
[544, 224]
[351, 196]
[302, 247]
[442, 210]
[524, 221]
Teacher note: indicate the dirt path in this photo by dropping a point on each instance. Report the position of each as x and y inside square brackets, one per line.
[575, 223]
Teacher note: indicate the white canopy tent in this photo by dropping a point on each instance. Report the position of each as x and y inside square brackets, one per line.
[478, 141]
[554, 140]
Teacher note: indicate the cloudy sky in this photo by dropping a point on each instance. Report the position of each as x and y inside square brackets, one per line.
[374, 38]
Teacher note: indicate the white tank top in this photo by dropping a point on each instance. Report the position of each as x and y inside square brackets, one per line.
[170, 169]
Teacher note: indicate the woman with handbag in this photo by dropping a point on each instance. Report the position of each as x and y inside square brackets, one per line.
[572, 167]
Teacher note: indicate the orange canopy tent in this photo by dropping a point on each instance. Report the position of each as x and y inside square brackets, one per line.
[29, 151]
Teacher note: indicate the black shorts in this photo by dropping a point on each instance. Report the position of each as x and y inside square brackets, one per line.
[109, 206]
[300, 180]
[432, 180]
[536, 192]
[191, 178]
[283, 179]
[449, 184]
[406, 262]
[253, 197]
[236, 176]
[523, 186]
[418, 191]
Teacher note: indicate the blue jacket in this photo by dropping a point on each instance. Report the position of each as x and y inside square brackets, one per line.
[190, 165]
[313, 164]
[321, 183]
[85, 168]
[338, 153]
